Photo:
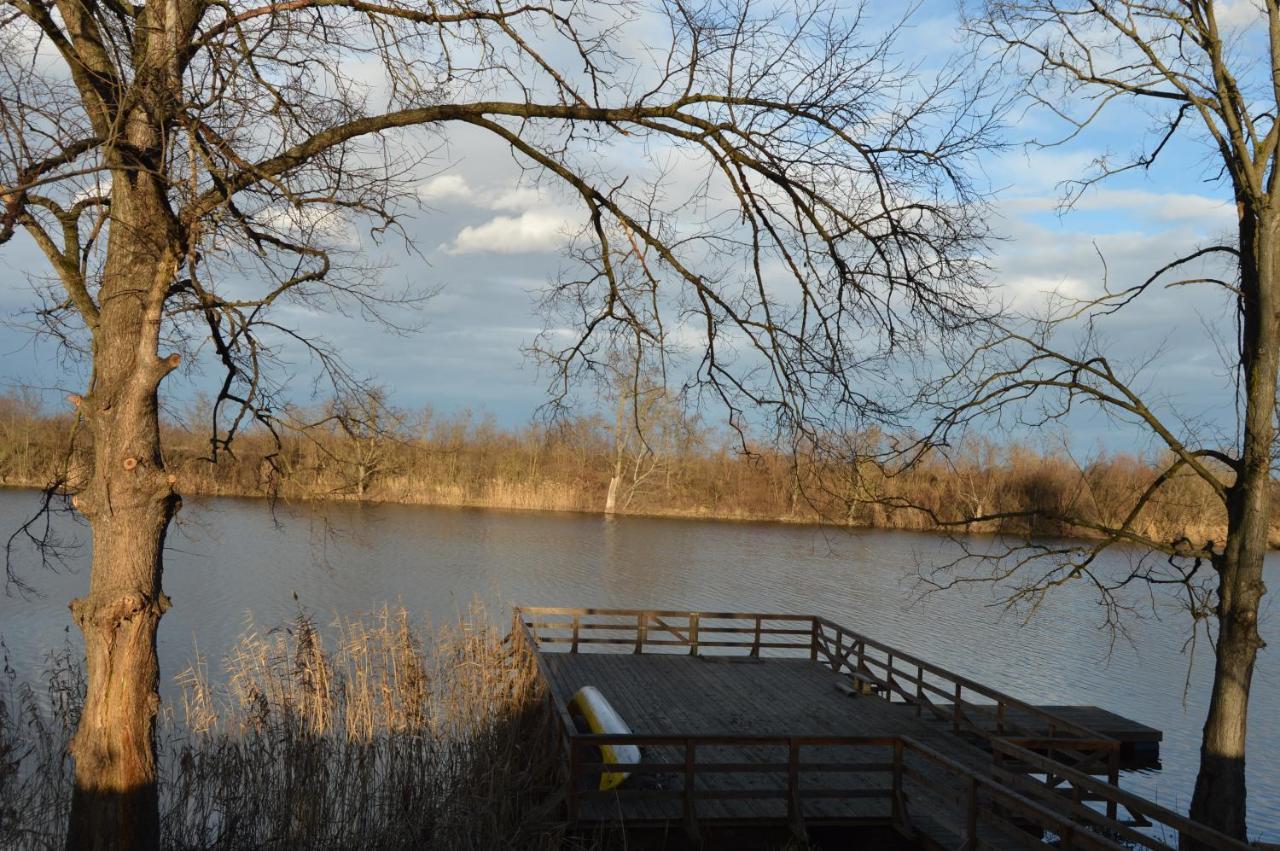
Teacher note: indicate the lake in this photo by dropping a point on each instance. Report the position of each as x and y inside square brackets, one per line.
[232, 560]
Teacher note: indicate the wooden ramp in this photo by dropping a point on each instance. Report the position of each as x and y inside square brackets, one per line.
[760, 719]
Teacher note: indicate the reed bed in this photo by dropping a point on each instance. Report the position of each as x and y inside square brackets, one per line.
[466, 461]
[368, 733]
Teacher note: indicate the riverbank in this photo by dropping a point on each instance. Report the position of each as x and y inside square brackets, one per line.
[583, 466]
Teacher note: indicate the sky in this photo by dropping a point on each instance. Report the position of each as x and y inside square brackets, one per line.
[488, 242]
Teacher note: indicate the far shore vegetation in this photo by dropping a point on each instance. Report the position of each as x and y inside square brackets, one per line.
[679, 469]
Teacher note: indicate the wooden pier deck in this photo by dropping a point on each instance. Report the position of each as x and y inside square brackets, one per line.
[759, 719]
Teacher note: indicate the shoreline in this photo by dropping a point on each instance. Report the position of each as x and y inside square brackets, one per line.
[649, 514]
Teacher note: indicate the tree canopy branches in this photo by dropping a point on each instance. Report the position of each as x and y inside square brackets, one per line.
[836, 219]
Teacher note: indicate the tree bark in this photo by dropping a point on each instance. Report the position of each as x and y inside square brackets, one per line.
[129, 500]
[1219, 798]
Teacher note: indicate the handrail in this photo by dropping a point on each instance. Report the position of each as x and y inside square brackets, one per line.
[997, 696]
[1068, 818]
[696, 638]
[662, 613]
[1134, 803]
[999, 797]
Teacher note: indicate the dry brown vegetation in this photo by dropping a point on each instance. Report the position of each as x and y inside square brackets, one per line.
[366, 734]
[464, 460]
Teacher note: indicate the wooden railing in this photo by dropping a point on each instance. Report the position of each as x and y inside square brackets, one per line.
[1073, 790]
[870, 666]
[661, 631]
[990, 811]
[930, 797]
[969, 706]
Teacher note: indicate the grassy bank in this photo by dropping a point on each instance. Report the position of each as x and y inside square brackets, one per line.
[367, 733]
[683, 471]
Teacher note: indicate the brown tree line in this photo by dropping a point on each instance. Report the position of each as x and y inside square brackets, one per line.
[463, 459]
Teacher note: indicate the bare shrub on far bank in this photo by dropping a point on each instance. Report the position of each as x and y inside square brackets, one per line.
[368, 734]
[466, 461]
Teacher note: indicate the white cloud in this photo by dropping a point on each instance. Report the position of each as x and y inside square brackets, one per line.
[520, 198]
[446, 187]
[1165, 207]
[329, 224]
[1033, 292]
[531, 232]
[1235, 14]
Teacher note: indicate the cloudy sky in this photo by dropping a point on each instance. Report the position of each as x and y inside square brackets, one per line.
[488, 243]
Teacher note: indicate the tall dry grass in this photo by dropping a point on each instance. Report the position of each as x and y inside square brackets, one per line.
[366, 734]
[466, 461]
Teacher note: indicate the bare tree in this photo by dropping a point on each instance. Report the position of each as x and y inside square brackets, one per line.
[648, 419]
[370, 428]
[1082, 60]
[165, 154]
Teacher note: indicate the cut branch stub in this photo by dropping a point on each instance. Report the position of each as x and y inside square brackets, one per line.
[130, 463]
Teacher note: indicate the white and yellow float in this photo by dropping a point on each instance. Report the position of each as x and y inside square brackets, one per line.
[601, 717]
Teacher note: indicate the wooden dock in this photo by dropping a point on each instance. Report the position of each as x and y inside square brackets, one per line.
[752, 719]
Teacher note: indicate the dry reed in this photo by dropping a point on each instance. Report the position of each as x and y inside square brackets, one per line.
[370, 734]
[463, 461]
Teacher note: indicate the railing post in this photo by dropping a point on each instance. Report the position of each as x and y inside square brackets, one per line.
[641, 628]
[1000, 718]
[971, 817]
[690, 773]
[755, 644]
[571, 798]
[577, 624]
[813, 639]
[898, 813]
[1113, 778]
[794, 816]
[955, 709]
[693, 634]
[919, 689]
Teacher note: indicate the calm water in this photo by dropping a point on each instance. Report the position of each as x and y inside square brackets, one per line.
[230, 560]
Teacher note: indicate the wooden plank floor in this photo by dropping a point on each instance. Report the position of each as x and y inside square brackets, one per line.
[662, 694]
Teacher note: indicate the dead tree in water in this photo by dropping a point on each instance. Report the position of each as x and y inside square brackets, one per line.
[162, 154]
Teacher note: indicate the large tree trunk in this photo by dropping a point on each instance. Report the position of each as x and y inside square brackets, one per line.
[1219, 799]
[129, 501]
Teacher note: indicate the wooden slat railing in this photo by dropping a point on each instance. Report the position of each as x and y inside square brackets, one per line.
[916, 781]
[892, 673]
[870, 665]
[989, 804]
[640, 631]
[1076, 788]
